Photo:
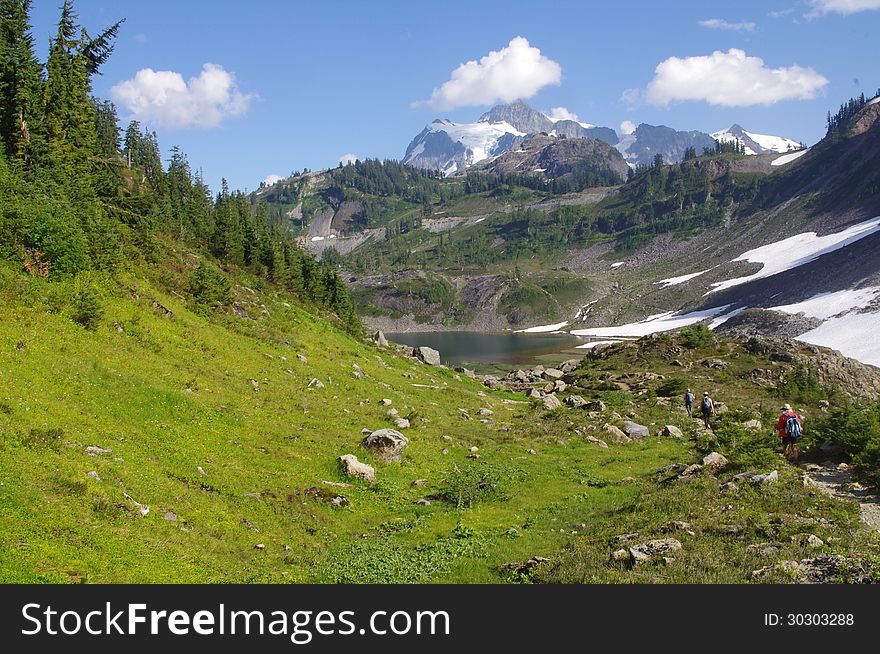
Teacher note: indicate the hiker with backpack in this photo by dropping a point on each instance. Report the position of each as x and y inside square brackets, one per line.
[790, 426]
[689, 402]
[707, 406]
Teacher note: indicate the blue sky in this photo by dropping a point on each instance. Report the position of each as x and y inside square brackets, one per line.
[291, 85]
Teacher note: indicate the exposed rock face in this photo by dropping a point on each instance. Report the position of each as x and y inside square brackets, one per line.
[355, 468]
[553, 158]
[650, 140]
[386, 445]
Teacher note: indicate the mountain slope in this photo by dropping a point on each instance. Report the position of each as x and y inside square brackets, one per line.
[647, 141]
[756, 143]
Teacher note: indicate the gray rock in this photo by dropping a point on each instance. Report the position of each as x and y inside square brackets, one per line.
[427, 355]
[691, 470]
[379, 339]
[767, 478]
[553, 373]
[597, 441]
[595, 405]
[615, 435]
[94, 450]
[753, 425]
[575, 401]
[672, 431]
[534, 394]
[170, 516]
[551, 403]
[808, 540]
[401, 423]
[355, 468]
[559, 386]
[483, 411]
[386, 445]
[635, 430]
[659, 547]
[91, 474]
[715, 461]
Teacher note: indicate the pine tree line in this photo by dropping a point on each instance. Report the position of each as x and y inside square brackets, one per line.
[77, 194]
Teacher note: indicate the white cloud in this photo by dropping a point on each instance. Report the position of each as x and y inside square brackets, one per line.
[163, 97]
[632, 97]
[348, 158]
[561, 113]
[516, 72]
[627, 127]
[730, 79]
[140, 38]
[721, 24]
[272, 179]
[844, 7]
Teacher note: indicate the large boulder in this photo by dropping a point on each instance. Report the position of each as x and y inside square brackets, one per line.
[553, 373]
[386, 445]
[575, 401]
[635, 430]
[355, 468]
[427, 355]
[551, 403]
[615, 435]
[672, 431]
[379, 339]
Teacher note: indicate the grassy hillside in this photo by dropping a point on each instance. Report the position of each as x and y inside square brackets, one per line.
[215, 423]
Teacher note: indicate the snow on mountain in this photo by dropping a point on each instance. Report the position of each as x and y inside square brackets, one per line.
[796, 251]
[755, 143]
[450, 147]
[788, 158]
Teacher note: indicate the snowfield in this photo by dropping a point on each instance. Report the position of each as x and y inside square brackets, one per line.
[854, 335]
[827, 305]
[480, 138]
[788, 158]
[661, 322]
[796, 251]
[591, 345]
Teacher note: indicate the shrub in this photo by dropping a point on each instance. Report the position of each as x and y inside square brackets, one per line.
[210, 288]
[697, 336]
[87, 309]
[672, 387]
[471, 482]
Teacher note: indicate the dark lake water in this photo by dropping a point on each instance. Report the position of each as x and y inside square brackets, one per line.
[491, 348]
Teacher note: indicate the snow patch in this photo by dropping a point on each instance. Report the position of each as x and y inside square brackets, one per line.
[788, 158]
[542, 329]
[591, 345]
[617, 264]
[674, 281]
[854, 335]
[661, 322]
[797, 251]
[874, 101]
[826, 305]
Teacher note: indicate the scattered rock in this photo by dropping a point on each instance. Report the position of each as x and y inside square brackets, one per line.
[753, 425]
[483, 411]
[646, 552]
[672, 431]
[422, 501]
[534, 394]
[597, 441]
[302, 358]
[715, 461]
[418, 482]
[765, 550]
[524, 567]
[620, 555]
[551, 403]
[766, 479]
[386, 445]
[595, 405]
[91, 474]
[170, 516]
[715, 363]
[729, 488]
[530, 451]
[575, 401]
[401, 423]
[553, 373]
[201, 471]
[327, 496]
[355, 468]
[427, 355]
[635, 430]
[808, 540]
[615, 435]
[385, 401]
[672, 467]
[379, 339]
[260, 546]
[94, 450]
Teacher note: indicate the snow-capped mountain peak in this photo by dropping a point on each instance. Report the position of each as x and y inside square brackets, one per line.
[755, 143]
